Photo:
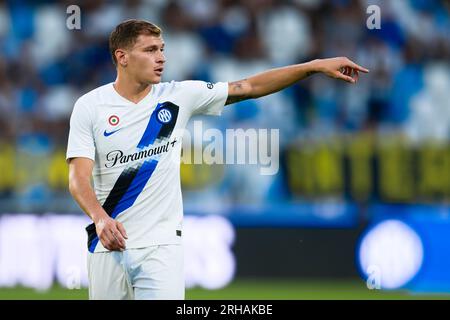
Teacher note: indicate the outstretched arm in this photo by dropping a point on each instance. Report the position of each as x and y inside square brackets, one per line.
[275, 80]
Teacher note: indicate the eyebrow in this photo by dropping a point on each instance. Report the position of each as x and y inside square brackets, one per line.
[154, 46]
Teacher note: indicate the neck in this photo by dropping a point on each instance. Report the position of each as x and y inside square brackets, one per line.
[131, 89]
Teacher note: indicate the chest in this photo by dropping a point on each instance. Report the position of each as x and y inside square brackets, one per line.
[128, 128]
[119, 127]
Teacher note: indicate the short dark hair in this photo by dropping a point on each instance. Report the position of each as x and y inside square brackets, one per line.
[126, 34]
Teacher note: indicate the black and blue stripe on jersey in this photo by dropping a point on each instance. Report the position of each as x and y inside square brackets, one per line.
[133, 179]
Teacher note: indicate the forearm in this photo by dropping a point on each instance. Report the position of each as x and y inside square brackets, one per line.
[84, 195]
[277, 79]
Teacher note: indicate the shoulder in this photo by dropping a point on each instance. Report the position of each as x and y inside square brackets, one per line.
[85, 106]
[173, 85]
[186, 87]
[97, 96]
[195, 87]
[196, 84]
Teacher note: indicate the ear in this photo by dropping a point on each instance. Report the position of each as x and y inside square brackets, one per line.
[121, 57]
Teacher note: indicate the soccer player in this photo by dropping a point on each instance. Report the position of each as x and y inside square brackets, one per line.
[126, 134]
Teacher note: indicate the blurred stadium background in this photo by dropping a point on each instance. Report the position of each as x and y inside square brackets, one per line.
[360, 206]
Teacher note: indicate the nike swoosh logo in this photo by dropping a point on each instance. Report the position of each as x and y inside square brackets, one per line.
[107, 134]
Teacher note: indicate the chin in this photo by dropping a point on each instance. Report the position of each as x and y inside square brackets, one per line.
[157, 79]
[154, 80]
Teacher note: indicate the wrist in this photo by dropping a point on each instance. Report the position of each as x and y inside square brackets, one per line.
[315, 66]
[98, 216]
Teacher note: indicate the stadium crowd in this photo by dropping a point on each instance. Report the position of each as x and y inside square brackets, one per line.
[45, 67]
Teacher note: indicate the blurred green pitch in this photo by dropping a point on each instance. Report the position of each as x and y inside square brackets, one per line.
[258, 289]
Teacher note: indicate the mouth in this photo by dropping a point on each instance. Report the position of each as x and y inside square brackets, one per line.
[159, 71]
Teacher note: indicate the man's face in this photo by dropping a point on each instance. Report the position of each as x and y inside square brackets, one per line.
[146, 59]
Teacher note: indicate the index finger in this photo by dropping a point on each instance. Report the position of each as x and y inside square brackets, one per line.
[358, 67]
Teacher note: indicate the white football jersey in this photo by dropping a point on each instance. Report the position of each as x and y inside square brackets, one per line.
[137, 148]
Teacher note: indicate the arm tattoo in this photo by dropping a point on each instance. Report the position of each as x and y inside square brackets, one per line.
[238, 92]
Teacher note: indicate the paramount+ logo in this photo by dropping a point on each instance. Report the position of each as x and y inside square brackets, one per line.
[116, 156]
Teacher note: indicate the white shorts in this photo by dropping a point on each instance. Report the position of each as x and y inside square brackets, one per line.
[150, 273]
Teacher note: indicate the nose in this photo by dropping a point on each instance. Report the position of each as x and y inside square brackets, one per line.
[161, 58]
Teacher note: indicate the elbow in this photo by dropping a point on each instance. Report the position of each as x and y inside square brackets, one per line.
[240, 90]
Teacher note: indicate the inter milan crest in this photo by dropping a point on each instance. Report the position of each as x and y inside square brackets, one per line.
[164, 115]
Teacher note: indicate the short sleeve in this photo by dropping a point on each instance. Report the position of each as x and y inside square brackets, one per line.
[206, 97]
[81, 138]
